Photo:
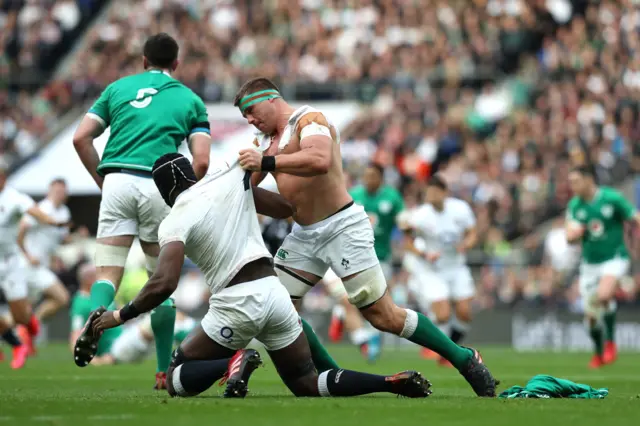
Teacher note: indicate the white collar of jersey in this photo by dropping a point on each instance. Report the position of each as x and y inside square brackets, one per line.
[165, 72]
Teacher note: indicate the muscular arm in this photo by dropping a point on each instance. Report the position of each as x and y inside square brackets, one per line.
[89, 129]
[200, 149]
[314, 158]
[164, 280]
[271, 204]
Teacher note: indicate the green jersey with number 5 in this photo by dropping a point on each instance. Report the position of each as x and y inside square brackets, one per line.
[603, 219]
[150, 114]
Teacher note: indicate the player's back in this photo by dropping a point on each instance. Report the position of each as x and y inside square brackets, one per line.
[150, 114]
[217, 221]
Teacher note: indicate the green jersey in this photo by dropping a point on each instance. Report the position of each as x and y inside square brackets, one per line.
[382, 208]
[603, 219]
[150, 114]
[80, 311]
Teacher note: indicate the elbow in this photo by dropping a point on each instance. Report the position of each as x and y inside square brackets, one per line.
[79, 141]
[322, 165]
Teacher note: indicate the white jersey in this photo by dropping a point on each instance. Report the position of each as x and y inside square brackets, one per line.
[13, 205]
[216, 220]
[42, 240]
[444, 231]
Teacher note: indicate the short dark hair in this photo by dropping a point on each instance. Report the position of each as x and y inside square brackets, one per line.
[586, 171]
[378, 167]
[161, 50]
[60, 181]
[438, 182]
[253, 85]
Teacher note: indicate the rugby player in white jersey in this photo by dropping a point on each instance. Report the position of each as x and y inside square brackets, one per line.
[447, 226]
[301, 149]
[214, 222]
[13, 265]
[38, 243]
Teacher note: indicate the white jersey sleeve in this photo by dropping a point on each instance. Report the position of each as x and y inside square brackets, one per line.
[467, 218]
[22, 202]
[172, 229]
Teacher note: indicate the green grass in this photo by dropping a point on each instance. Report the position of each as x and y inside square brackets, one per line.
[52, 390]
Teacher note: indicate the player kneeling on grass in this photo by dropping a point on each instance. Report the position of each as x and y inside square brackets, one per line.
[214, 223]
[595, 217]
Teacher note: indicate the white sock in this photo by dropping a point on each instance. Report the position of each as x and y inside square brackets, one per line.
[410, 324]
[461, 326]
[339, 312]
[177, 385]
[323, 389]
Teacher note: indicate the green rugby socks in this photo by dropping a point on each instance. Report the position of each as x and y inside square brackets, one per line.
[597, 336]
[319, 354]
[610, 326]
[420, 330]
[163, 319]
[102, 294]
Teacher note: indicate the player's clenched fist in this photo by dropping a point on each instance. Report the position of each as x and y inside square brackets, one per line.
[250, 159]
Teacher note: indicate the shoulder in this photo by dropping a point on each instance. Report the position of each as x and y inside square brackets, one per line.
[313, 117]
[573, 203]
[609, 192]
[457, 205]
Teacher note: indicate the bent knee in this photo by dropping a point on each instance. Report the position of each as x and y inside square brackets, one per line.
[304, 387]
[386, 316]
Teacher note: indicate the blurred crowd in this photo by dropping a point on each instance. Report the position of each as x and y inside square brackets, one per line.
[501, 96]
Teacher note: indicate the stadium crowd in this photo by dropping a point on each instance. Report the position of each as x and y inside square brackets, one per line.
[500, 95]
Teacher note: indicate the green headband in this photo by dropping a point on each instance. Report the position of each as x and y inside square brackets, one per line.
[256, 97]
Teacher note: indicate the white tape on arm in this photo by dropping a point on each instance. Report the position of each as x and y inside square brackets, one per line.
[315, 129]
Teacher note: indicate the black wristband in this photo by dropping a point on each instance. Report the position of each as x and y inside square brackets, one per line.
[128, 312]
[268, 163]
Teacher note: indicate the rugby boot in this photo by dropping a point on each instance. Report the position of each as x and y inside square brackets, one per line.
[596, 362]
[610, 354]
[479, 377]
[87, 344]
[241, 366]
[410, 384]
[20, 355]
[161, 381]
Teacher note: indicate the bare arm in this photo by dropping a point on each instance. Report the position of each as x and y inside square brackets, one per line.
[257, 178]
[87, 131]
[42, 217]
[201, 150]
[573, 231]
[470, 239]
[271, 204]
[22, 233]
[314, 158]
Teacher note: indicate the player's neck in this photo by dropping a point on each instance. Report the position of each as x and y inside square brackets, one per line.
[55, 204]
[439, 207]
[591, 195]
[283, 121]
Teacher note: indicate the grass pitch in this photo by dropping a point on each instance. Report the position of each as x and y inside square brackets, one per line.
[52, 390]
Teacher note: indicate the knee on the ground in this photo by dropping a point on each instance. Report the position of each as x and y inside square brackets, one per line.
[305, 386]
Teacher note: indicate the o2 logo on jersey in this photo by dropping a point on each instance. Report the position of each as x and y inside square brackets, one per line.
[142, 100]
[596, 228]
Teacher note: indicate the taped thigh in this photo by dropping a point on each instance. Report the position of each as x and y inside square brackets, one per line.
[296, 285]
[108, 255]
[367, 287]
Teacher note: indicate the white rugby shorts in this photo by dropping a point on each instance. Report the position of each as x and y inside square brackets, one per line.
[39, 279]
[131, 205]
[259, 309]
[589, 280]
[342, 242]
[13, 277]
[429, 285]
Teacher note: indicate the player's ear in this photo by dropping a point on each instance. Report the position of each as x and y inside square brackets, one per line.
[145, 63]
[175, 65]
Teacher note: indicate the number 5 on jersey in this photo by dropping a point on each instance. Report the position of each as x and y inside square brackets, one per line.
[142, 100]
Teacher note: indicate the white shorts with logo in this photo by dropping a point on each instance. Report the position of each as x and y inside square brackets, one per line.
[39, 279]
[342, 242]
[14, 276]
[131, 205]
[589, 280]
[429, 285]
[258, 309]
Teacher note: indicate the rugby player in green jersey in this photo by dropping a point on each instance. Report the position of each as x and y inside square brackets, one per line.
[595, 217]
[149, 114]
